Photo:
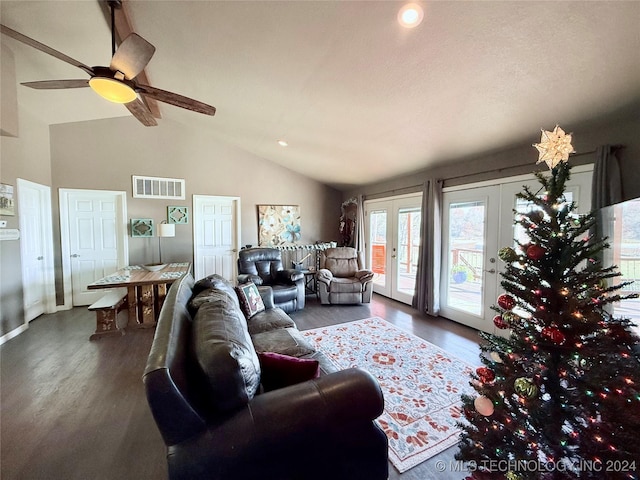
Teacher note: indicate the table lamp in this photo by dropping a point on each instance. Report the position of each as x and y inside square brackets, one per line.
[165, 230]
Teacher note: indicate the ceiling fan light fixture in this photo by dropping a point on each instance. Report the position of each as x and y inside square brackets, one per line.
[113, 90]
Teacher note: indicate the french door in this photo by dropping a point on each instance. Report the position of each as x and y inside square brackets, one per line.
[477, 222]
[469, 266]
[393, 243]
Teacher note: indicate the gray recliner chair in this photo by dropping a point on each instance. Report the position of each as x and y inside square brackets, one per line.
[342, 277]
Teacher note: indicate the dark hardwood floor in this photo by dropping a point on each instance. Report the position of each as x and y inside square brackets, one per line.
[75, 409]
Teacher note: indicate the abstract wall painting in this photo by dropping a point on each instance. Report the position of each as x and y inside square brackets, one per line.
[278, 225]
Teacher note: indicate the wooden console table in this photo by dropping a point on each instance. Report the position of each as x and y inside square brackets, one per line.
[145, 291]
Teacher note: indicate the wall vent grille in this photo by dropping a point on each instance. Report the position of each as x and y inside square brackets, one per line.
[157, 187]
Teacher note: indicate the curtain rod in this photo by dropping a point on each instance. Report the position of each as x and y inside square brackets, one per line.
[395, 191]
[413, 188]
[509, 167]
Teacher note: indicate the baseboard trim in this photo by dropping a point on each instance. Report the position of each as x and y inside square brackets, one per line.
[13, 333]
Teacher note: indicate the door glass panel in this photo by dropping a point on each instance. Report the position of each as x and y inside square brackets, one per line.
[408, 248]
[621, 226]
[466, 256]
[378, 242]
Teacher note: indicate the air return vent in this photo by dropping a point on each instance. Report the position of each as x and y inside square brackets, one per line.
[156, 187]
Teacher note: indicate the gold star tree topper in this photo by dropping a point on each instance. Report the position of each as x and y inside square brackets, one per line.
[554, 147]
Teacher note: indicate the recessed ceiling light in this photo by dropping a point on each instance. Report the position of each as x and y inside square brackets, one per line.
[282, 143]
[410, 15]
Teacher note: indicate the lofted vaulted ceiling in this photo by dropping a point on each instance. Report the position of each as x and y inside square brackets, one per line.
[357, 97]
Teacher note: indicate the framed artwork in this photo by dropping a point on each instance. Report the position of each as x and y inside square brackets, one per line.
[177, 214]
[142, 227]
[278, 225]
[7, 206]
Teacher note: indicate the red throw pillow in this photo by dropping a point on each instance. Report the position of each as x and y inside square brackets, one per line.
[278, 370]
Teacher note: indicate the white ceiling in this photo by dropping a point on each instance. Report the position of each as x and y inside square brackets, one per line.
[358, 97]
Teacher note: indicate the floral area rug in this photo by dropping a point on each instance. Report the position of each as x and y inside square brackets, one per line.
[421, 384]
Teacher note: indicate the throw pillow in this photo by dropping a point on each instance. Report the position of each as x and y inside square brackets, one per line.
[250, 299]
[278, 370]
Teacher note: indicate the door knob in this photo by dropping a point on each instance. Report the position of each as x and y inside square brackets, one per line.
[493, 270]
[75, 255]
[40, 258]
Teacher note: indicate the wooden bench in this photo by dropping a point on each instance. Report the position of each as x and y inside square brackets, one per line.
[107, 309]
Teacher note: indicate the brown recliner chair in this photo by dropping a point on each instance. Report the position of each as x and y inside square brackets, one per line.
[342, 277]
[263, 266]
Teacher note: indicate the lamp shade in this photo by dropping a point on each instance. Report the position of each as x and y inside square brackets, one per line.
[166, 230]
[113, 90]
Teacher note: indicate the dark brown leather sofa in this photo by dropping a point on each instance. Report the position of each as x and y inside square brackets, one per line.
[202, 382]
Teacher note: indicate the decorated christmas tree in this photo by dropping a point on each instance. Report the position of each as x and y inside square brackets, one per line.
[558, 396]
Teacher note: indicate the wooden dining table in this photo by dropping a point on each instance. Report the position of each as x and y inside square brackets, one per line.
[146, 290]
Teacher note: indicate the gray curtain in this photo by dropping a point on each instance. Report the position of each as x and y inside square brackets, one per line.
[426, 298]
[360, 241]
[607, 181]
[606, 190]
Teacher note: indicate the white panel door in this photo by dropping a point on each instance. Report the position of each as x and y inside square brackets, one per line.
[216, 233]
[36, 248]
[95, 233]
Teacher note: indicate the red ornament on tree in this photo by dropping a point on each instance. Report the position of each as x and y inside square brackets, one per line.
[506, 302]
[485, 374]
[555, 335]
[535, 252]
[499, 322]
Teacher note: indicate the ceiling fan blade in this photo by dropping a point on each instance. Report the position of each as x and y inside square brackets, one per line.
[175, 99]
[141, 112]
[44, 48]
[57, 84]
[132, 56]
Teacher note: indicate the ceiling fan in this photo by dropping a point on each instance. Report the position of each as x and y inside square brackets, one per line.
[117, 82]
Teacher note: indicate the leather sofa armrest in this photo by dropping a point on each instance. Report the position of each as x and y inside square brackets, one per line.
[364, 275]
[290, 275]
[280, 420]
[340, 405]
[248, 277]
[351, 395]
[324, 276]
